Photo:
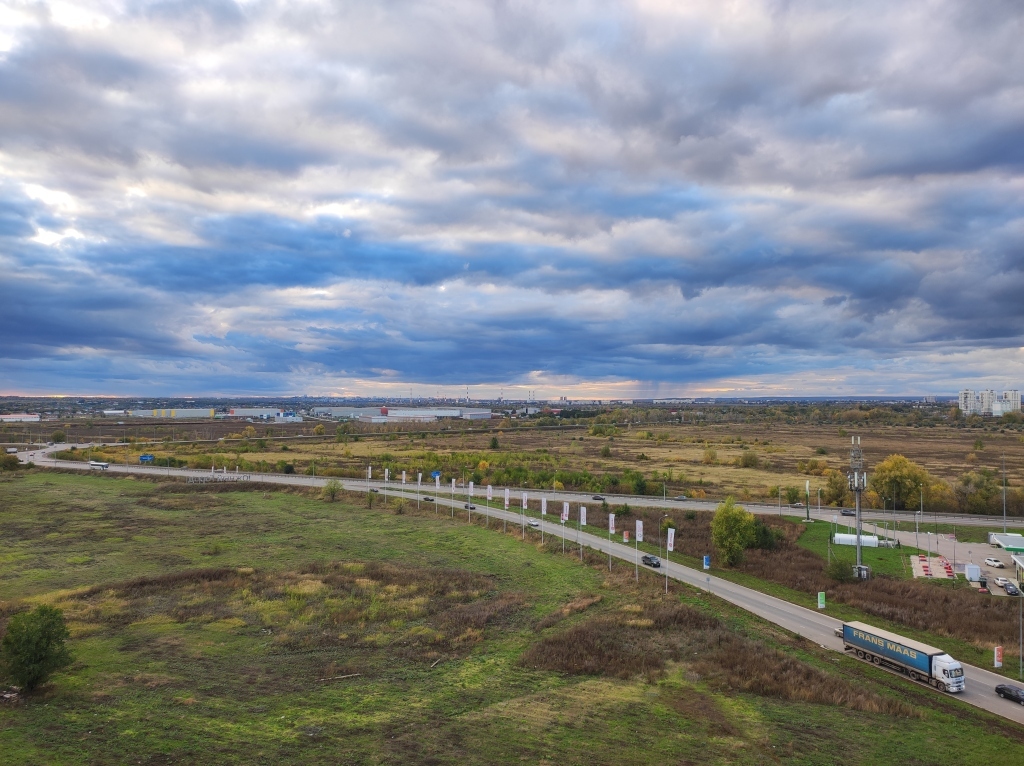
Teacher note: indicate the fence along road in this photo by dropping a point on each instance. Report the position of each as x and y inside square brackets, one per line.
[815, 626]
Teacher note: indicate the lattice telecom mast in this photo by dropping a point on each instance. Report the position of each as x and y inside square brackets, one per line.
[858, 480]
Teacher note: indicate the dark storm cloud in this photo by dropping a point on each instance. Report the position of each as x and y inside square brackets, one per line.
[601, 191]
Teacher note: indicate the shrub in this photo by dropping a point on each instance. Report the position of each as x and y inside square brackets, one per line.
[34, 646]
[710, 457]
[732, 531]
[839, 569]
[764, 537]
[606, 451]
[331, 490]
[494, 442]
[8, 462]
[748, 459]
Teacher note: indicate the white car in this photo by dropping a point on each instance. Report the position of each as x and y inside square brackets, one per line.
[533, 523]
[1001, 581]
[995, 563]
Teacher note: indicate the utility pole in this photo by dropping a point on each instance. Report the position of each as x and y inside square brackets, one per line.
[1004, 493]
[858, 481]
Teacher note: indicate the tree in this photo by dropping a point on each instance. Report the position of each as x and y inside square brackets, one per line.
[8, 462]
[494, 442]
[34, 646]
[332, 489]
[319, 430]
[57, 437]
[249, 432]
[710, 456]
[898, 478]
[732, 531]
[836, 489]
[606, 451]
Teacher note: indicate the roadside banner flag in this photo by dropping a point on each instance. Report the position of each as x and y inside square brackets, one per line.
[490, 492]
[386, 474]
[707, 562]
[639, 530]
[471, 489]
[453, 485]
[611, 523]
[437, 482]
[525, 500]
[506, 498]
[821, 599]
[419, 481]
[369, 472]
[543, 506]
[999, 657]
[625, 535]
[671, 539]
[565, 511]
[403, 477]
[583, 516]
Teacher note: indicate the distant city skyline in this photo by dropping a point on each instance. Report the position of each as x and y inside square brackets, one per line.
[601, 199]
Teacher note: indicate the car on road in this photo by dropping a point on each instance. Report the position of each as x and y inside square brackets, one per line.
[1012, 693]
[678, 497]
[374, 489]
[797, 505]
[428, 500]
[650, 561]
[470, 506]
[597, 497]
[847, 512]
[1000, 581]
[533, 523]
[1011, 589]
[995, 563]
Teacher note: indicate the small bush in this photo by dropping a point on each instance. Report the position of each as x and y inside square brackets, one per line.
[606, 451]
[840, 570]
[494, 442]
[34, 646]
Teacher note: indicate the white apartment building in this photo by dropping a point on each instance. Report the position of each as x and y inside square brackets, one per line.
[987, 403]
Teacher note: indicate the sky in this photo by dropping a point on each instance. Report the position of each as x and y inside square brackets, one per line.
[592, 199]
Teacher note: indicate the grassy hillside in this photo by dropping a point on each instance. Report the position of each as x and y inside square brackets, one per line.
[254, 627]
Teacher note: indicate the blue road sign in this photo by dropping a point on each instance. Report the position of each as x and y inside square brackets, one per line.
[707, 562]
[146, 458]
[435, 474]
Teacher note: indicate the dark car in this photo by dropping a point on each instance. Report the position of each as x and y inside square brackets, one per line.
[470, 506]
[650, 561]
[1012, 693]
[374, 489]
[597, 497]
[1011, 589]
[847, 512]
[428, 500]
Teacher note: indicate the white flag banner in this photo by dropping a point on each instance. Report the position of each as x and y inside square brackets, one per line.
[369, 472]
[639, 531]
[453, 486]
[524, 500]
[583, 516]
[611, 523]
[403, 477]
[386, 471]
[471, 489]
[419, 481]
[565, 511]
[543, 506]
[490, 492]
[437, 482]
[506, 498]
[671, 539]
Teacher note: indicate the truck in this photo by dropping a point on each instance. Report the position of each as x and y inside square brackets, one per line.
[12, 450]
[919, 661]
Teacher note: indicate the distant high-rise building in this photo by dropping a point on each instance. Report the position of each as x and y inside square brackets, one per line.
[987, 403]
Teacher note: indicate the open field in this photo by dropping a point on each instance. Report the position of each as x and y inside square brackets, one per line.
[224, 627]
[762, 460]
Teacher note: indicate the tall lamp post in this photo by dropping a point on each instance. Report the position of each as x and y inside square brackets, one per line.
[858, 481]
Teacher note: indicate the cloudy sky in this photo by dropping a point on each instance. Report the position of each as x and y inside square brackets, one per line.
[657, 197]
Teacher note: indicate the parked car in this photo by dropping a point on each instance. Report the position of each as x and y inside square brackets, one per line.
[1001, 581]
[995, 563]
[533, 523]
[1011, 589]
[597, 497]
[847, 512]
[1012, 693]
[650, 561]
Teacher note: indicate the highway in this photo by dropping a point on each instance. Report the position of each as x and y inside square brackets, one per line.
[810, 624]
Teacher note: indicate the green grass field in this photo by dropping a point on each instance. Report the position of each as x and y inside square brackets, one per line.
[320, 632]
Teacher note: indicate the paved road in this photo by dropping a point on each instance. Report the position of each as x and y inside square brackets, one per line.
[813, 625]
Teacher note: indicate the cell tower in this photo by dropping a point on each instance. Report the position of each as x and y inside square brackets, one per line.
[858, 482]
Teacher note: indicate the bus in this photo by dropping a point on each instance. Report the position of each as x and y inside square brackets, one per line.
[99, 464]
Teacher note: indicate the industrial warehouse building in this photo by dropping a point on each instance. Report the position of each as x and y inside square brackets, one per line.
[402, 414]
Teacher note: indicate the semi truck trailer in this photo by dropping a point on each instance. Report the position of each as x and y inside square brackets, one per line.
[919, 661]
